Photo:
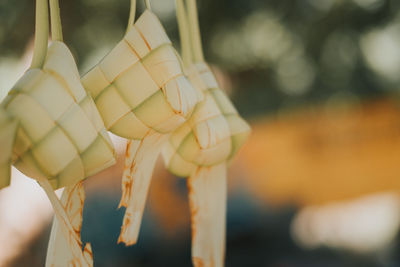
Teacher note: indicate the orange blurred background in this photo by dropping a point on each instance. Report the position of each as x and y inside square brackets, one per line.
[317, 183]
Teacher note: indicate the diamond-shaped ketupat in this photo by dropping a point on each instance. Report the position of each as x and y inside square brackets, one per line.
[61, 136]
[140, 85]
[143, 95]
[212, 135]
[200, 149]
[51, 130]
[203, 146]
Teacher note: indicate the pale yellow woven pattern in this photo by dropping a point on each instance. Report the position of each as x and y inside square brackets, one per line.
[8, 129]
[212, 135]
[61, 136]
[140, 84]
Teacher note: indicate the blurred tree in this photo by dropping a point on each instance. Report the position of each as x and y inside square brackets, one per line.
[278, 53]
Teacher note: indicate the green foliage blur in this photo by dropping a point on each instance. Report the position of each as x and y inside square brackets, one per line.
[278, 53]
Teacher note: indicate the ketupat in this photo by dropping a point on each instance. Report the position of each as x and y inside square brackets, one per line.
[202, 147]
[140, 85]
[143, 95]
[212, 135]
[60, 138]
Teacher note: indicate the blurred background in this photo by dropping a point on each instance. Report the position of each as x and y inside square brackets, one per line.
[318, 182]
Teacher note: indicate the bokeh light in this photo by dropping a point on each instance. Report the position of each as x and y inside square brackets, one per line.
[317, 184]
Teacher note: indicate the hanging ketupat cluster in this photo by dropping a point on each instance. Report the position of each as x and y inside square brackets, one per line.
[53, 131]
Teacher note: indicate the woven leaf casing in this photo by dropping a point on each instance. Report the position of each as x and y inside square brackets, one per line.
[140, 85]
[61, 136]
[212, 135]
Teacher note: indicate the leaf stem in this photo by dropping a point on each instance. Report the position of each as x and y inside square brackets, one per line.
[193, 19]
[41, 34]
[56, 28]
[65, 223]
[147, 3]
[184, 33]
[132, 14]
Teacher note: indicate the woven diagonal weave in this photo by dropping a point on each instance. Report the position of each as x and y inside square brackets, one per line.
[140, 84]
[60, 135]
[212, 135]
[8, 129]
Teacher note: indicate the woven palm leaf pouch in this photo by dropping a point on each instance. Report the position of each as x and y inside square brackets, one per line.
[202, 148]
[61, 136]
[56, 131]
[142, 93]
